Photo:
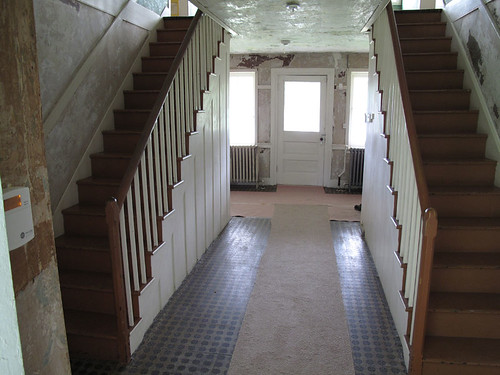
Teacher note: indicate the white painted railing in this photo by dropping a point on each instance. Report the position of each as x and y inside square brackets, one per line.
[414, 217]
[144, 196]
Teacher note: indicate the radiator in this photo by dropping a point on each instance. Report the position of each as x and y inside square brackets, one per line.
[244, 165]
[357, 163]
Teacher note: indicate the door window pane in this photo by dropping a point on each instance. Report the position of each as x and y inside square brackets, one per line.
[302, 106]
[242, 109]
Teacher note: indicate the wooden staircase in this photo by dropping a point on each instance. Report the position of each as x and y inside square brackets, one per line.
[463, 318]
[83, 251]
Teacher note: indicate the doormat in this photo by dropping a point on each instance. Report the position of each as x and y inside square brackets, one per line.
[329, 190]
[265, 188]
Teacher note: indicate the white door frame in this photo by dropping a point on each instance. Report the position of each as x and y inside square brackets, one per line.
[275, 75]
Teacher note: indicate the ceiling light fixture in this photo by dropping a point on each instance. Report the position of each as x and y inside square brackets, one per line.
[292, 6]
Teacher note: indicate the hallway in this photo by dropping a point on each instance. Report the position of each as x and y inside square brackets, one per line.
[197, 331]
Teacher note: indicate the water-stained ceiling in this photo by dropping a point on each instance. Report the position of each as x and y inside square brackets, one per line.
[316, 26]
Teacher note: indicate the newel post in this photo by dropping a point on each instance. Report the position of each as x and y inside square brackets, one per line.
[113, 221]
[424, 285]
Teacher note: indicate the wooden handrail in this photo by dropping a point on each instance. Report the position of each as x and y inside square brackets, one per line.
[424, 286]
[418, 165]
[126, 181]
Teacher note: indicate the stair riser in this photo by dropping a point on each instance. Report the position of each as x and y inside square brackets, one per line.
[452, 148]
[430, 62]
[455, 369]
[466, 205]
[109, 167]
[120, 143]
[434, 81]
[130, 121]
[92, 347]
[170, 35]
[149, 82]
[425, 45]
[464, 280]
[158, 64]
[85, 225]
[460, 175]
[88, 300]
[440, 100]
[416, 31]
[417, 17]
[83, 260]
[140, 100]
[163, 49]
[95, 194]
[177, 23]
[468, 240]
[445, 123]
[450, 324]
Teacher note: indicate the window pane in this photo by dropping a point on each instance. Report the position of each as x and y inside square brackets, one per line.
[358, 104]
[302, 106]
[242, 109]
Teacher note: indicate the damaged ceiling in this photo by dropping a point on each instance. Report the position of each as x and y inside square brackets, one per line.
[315, 26]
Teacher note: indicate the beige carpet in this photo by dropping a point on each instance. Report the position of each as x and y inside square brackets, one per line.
[295, 321]
[261, 204]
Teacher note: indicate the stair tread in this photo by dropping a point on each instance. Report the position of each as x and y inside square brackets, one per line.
[438, 90]
[429, 53]
[82, 242]
[174, 29]
[86, 280]
[420, 23]
[453, 111]
[141, 91]
[436, 71]
[111, 155]
[121, 131]
[467, 260]
[90, 324]
[422, 38]
[158, 58]
[453, 135]
[467, 190]
[164, 43]
[132, 110]
[460, 161]
[462, 350]
[150, 73]
[469, 222]
[465, 302]
[78, 209]
[99, 181]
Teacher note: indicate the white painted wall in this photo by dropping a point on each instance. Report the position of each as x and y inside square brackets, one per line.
[11, 359]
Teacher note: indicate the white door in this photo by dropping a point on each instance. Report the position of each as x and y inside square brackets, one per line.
[301, 129]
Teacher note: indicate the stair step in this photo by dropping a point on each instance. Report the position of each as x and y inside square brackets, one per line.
[109, 165]
[440, 122]
[415, 45]
[157, 64]
[464, 315]
[464, 172]
[149, 81]
[164, 48]
[120, 141]
[464, 356]
[77, 253]
[418, 16]
[96, 191]
[466, 272]
[177, 22]
[80, 220]
[91, 335]
[430, 61]
[424, 29]
[171, 34]
[442, 100]
[87, 291]
[452, 146]
[466, 201]
[435, 79]
[140, 99]
[131, 119]
[468, 235]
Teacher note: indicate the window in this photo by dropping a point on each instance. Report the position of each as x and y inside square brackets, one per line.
[302, 106]
[358, 101]
[242, 109]
[191, 9]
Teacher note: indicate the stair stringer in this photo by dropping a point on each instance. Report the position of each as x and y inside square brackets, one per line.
[200, 202]
[485, 123]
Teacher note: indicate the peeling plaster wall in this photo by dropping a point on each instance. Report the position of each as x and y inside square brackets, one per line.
[156, 6]
[22, 163]
[263, 65]
[75, 39]
[482, 44]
